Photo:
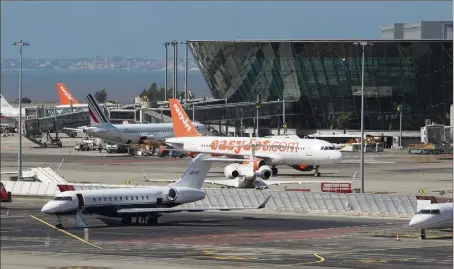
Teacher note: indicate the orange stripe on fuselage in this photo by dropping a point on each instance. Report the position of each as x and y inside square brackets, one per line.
[239, 145]
[64, 95]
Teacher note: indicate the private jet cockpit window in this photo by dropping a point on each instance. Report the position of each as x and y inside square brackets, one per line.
[66, 198]
[327, 148]
[429, 212]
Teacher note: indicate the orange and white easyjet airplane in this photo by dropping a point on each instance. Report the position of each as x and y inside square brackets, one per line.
[66, 97]
[301, 154]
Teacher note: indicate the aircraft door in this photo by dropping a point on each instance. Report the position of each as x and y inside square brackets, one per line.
[80, 200]
[308, 151]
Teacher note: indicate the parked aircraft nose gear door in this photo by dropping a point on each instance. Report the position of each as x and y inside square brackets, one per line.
[81, 201]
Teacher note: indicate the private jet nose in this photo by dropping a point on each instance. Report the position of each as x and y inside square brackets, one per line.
[416, 221]
[49, 208]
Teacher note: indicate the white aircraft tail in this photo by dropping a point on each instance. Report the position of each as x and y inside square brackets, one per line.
[5, 103]
[196, 173]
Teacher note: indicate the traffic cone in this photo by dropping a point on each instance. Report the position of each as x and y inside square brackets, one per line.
[397, 238]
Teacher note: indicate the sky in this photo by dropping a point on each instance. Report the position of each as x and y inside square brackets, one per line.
[67, 29]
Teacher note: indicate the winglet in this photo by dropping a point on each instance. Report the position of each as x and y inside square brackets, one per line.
[182, 125]
[262, 205]
[64, 95]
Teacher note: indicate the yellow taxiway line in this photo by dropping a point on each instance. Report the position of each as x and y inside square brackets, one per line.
[65, 232]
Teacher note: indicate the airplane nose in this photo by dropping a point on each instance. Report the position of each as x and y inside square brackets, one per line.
[337, 155]
[414, 222]
[47, 209]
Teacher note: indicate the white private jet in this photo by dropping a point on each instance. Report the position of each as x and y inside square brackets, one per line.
[126, 133]
[149, 202]
[301, 154]
[8, 111]
[433, 216]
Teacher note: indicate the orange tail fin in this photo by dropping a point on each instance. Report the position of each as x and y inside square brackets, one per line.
[65, 95]
[182, 125]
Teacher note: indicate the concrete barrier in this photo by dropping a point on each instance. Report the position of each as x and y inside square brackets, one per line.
[326, 203]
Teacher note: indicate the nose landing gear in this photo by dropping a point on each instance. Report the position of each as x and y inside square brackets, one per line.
[423, 234]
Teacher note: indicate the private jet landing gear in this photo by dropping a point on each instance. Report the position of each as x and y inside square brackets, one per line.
[274, 170]
[317, 172]
[153, 219]
[423, 235]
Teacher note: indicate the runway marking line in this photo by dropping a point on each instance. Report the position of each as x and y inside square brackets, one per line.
[65, 232]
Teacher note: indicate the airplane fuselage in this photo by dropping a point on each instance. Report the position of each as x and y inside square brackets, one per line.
[107, 202]
[135, 133]
[275, 151]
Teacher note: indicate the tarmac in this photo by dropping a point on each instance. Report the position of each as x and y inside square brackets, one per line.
[225, 239]
[216, 240]
[394, 172]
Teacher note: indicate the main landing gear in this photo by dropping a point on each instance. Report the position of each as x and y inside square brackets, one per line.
[423, 234]
[151, 219]
[317, 172]
[274, 170]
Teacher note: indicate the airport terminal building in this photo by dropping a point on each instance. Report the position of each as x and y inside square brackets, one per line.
[320, 80]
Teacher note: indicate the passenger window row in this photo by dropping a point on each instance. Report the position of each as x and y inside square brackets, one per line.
[120, 198]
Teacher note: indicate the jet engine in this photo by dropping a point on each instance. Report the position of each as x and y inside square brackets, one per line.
[232, 171]
[264, 172]
[181, 195]
[303, 167]
[235, 170]
[257, 163]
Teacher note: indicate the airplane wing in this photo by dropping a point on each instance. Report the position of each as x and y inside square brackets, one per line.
[195, 209]
[74, 129]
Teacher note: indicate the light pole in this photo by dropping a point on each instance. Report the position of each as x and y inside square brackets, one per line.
[175, 67]
[257, 106]
[361, 168]
[399, 108]
[20, 44]
[166, 44]
[185, 74]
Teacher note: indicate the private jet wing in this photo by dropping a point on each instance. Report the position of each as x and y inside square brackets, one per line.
[195, 209]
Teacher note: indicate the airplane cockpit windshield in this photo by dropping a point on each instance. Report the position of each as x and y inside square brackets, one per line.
[327, 148]
[429, 212]
[66, 198]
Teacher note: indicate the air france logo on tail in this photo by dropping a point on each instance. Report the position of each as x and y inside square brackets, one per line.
[182, 118]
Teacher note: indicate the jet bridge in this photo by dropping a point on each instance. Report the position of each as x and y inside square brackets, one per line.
[35, 128]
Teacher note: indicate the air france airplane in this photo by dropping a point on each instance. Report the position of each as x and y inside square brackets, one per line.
[148, 202]
[433, 216]
[300, 154]
[127, 134]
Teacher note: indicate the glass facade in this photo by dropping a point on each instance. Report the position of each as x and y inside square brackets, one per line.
[321, 80]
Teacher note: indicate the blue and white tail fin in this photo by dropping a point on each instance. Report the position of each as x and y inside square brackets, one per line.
[196, 173]
[97, 116]
[4, 103]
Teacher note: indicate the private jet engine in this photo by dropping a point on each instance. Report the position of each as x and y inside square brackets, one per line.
[264, 172]
[182, 195]
[235, 170]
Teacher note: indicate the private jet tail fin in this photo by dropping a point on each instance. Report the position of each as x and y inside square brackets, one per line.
[97, 116]
[5, 103]
[196, 173]
[182, 125]
[65, 96]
